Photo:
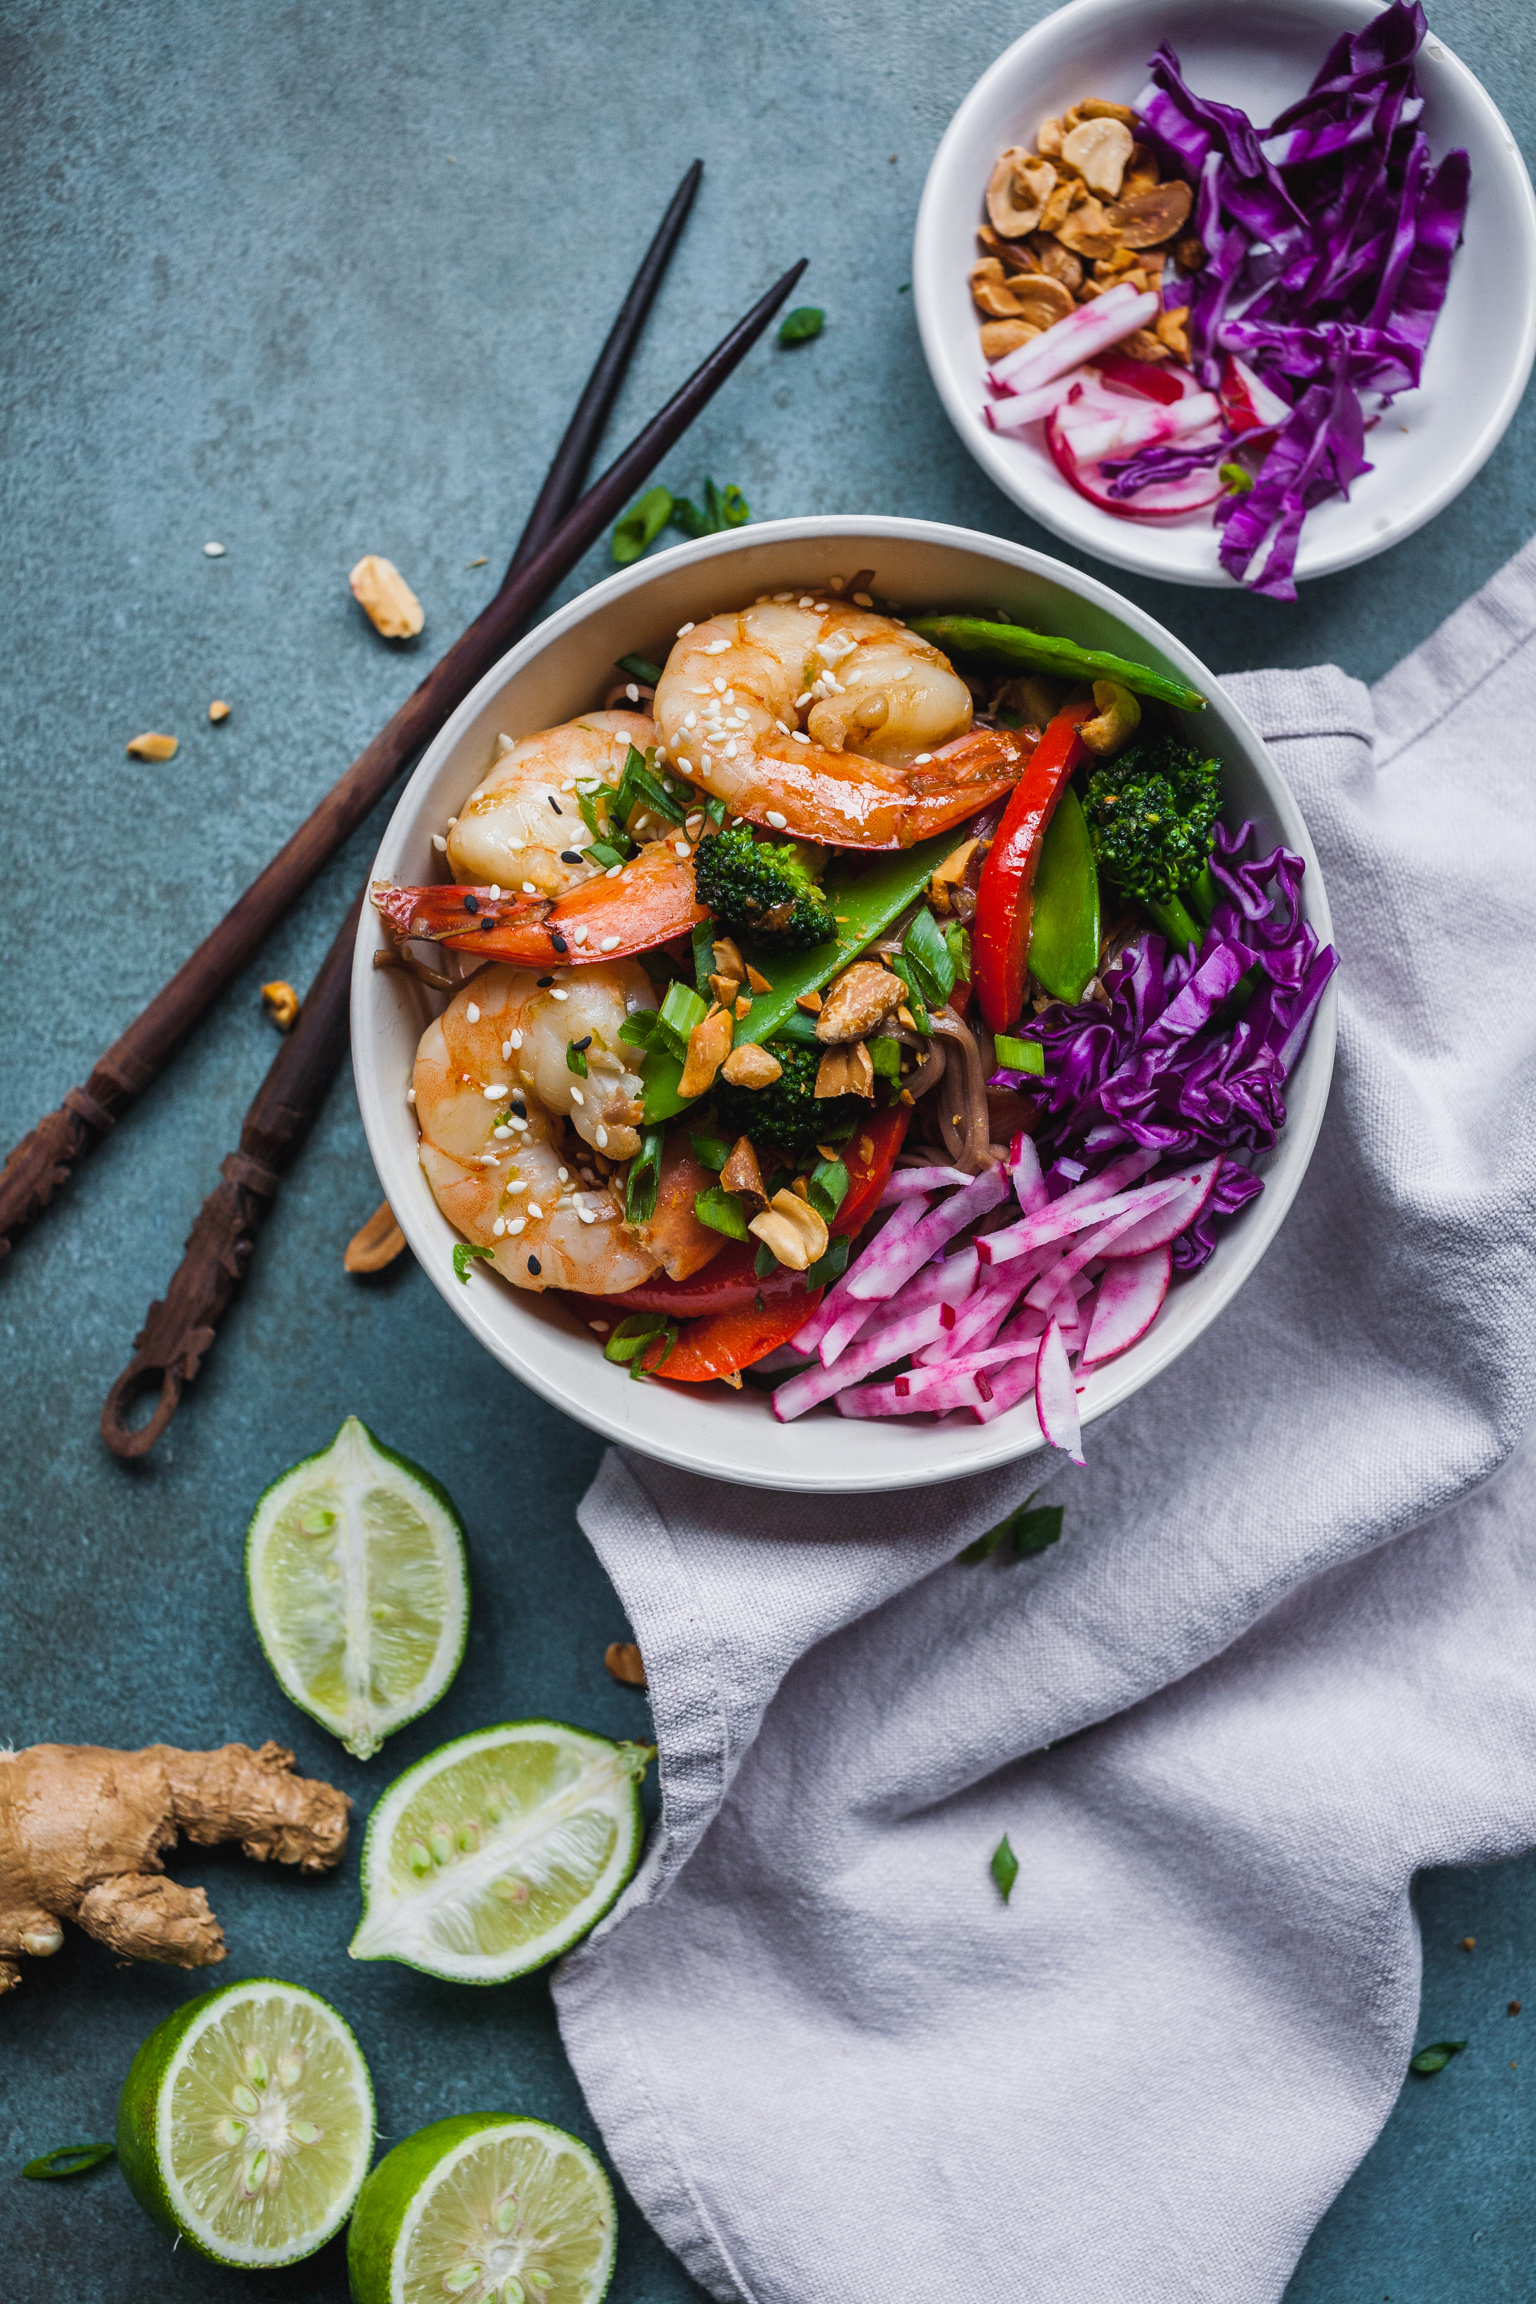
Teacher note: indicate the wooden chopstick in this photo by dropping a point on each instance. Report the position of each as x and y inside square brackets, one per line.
[46, 1159]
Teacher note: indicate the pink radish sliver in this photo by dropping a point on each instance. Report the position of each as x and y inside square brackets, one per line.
[1130, 1297]
[1056, 1395]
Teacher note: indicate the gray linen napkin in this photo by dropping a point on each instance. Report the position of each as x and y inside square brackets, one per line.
[1288, 1631]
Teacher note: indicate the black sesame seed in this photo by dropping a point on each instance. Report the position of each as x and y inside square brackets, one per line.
[544, 982]
[488, 921]
[581, 1046]
[554, 803]
[558, 940]
[471, 903]
[535, 1267]
[570, 855]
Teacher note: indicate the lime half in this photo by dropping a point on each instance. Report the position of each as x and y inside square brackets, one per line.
[499, 1851]
[245, 2125]
[354, 1568]
[485, 2208]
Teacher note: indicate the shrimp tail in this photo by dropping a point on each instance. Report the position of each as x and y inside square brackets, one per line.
[651, 901]
[963, 778]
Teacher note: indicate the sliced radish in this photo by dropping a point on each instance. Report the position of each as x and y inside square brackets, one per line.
[1148, 379]
[1093, 432]
[1067, 343]
[1130, 1297]
[1162, 500]
[1248, 401]
[1175, 1215]
[1018, 410]
[1056, 1395]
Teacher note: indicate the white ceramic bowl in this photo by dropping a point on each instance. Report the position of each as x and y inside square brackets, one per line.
[560, 670]
[1261, 56]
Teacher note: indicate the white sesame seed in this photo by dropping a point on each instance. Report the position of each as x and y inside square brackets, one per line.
[609, 944]
[783, 596]
[515, 841]
[478, 792]
[451, 822]
[587, 1217]
[776, 820]
[535, 1210]
[719, 688]
[497, 1088]
[717, 647]
[730, 695]
[731, 750]
[683, 631]
[495, 892]
[516, 1225]
[518, 1184]
[682, 847]
[498, 1227]
[558, 995]
[805, 601]
[577, 1096]
[601, 1135]
[578, 935]
[506, 1050]
[515, 1039]
[564, 1175]
[529, 888]
[501, 1129]
[439, 843]
[632, 692]
[921, 759]
[473, 1013]
[613, 871]
[213, 551]
[802, 700]
[692, 720]
[410, 1095]
[798, 736]
[862, 600]
[782, 726]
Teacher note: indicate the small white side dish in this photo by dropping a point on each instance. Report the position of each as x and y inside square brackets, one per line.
[563, 668]
[1428, 445]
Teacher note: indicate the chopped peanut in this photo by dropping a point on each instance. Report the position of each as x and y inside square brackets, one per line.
[391, 606]
[847, 1070]
[743, 1172]
[282, 1004]
[757, 980]
[751, 1067]
[791, 1229]
[862, 997]
[709, 1044]
[152, 747]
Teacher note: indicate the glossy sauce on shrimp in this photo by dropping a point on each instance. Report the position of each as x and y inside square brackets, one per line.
[828, 721]
[521, 828]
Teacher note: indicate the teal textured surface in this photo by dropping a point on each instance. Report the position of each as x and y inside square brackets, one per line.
[318, 281]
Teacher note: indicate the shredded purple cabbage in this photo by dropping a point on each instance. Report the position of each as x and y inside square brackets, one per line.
[1329, 237]
[1171, 462]
[1168, 1064]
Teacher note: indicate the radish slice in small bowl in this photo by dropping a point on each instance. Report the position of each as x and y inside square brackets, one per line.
[1161, 500]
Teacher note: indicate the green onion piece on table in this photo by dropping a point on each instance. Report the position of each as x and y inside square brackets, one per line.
[799, 326]
[641, 525]
[1436, 2058]
[67, 2160]
[1044, 652]
[723, 508]
[1004, 1868]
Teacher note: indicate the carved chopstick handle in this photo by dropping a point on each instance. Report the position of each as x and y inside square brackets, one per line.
[47, 1158]
[181, 1326]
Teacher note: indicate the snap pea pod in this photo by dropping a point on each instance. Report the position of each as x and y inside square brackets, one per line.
[1045, 652]
[862, 906]
[1064, 914]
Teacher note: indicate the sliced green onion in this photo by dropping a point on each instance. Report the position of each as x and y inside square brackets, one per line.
[832, 1265]
[764, 1262]
[681, 1010]
[638, 786]
[885, 1055]
[1018, 1055]
[464, 1254]
[641, 525]
[576, 1059]
[827, 1186]
[639, 668]
[644, 1178]
[916, 1006]
[710, 1151]
[722, 1211]
[67, 2160]
[639, 1030]
[1236, 478]
[603, 853]
[925, 947]
[715, 811]
[630, 1343]
[703, 957]
[801, 325]
[723, 508]
[957, 941]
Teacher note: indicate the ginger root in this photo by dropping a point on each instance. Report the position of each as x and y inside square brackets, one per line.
[83, 1830]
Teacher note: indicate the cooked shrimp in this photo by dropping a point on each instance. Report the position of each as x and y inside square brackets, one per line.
[490, 1146]
[830, 722]
[639, 905]
[522, 828]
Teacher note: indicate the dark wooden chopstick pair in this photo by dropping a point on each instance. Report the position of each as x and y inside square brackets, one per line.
[180, 1328]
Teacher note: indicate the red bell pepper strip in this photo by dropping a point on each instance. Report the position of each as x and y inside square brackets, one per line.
[728, 1341]
[1000, 932]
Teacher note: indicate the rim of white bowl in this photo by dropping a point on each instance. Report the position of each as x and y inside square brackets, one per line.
[933, 259]
[716, 1432]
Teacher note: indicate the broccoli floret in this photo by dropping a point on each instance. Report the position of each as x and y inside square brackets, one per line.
[762, 888]
[1151, 817]
[787, 1115]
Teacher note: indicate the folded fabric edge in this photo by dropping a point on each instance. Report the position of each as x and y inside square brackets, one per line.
[1318, 700]
[596, 2037]
[1459, 655]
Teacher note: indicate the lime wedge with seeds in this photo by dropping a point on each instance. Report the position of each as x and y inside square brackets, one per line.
[355, 1573]
[245, 2125]
[485, 2208]
[499, 1851]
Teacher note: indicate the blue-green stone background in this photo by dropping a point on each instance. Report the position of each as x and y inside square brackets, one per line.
[316, 280]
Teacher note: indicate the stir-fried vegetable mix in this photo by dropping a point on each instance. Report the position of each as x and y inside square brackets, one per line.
[913, 1126]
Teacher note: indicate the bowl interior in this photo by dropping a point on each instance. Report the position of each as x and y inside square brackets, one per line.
[562, 669]
[1261, 57]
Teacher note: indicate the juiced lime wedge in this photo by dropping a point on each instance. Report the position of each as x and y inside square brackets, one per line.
[245, 2125]
[354, 1569]
[497, 1852]
[485, 2208]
